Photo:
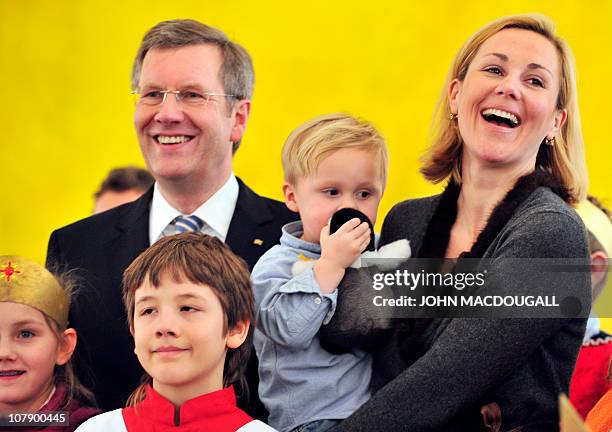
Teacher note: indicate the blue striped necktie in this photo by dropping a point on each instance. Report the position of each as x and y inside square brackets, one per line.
[188, 224]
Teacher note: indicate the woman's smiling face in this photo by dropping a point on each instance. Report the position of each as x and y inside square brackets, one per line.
[507, 103]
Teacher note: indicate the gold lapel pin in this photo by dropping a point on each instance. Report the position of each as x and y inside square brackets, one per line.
[258, 242]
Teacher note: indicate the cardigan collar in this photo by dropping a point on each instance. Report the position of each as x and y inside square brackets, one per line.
[437, 235]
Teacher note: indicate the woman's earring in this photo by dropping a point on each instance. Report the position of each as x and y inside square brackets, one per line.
[550, 141]
[453, 116]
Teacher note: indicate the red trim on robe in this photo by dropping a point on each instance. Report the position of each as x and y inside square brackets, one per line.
[216, 411]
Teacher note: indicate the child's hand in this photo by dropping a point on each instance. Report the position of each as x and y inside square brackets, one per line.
[338, 251]
[344, 246]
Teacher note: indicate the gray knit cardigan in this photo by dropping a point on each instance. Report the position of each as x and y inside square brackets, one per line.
[438, 378]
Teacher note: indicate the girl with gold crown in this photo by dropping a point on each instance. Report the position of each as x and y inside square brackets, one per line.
[38, 387]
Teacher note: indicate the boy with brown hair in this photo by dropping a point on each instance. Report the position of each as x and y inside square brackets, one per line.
[189, 305]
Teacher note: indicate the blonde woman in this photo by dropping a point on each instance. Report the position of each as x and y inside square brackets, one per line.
[509, 144]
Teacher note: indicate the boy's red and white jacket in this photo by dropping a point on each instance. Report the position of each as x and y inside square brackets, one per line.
[216, 411]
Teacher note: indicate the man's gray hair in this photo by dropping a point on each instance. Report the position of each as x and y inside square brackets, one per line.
[236, 75]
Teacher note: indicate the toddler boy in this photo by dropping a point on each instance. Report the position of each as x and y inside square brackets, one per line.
[331, 162]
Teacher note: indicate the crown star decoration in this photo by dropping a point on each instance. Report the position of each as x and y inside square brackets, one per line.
[26, 282]
[9, 271]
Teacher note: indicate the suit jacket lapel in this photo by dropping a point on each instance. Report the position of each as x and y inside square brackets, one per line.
[132, 237]
[247, 236]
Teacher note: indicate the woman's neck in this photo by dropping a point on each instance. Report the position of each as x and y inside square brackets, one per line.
[481, 191]
[474, 206]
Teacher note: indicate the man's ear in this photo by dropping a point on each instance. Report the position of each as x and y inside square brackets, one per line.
[237, 335]
[453, 92]
[66, 346]
[240, 114]
[289, 192]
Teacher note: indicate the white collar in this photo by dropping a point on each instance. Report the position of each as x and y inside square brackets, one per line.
[217, 211]
[592, 328]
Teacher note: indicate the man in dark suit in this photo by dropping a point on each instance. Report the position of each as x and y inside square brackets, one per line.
[194, 88]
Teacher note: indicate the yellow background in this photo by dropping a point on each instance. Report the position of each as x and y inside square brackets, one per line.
[66, 110]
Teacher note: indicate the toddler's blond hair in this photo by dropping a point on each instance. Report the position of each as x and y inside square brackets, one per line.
[316, 139]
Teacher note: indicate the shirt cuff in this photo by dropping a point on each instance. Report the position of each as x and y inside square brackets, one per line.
[306, 283]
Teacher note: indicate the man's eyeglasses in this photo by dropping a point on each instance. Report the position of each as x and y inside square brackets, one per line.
[187, 97]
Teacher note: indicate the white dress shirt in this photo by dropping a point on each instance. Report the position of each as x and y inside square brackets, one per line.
[216, 212]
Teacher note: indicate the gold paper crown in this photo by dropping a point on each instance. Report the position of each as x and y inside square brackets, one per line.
[597, 222]
[25, 282]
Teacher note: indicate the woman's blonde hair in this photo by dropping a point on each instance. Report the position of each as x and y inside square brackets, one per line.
[565, 160]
